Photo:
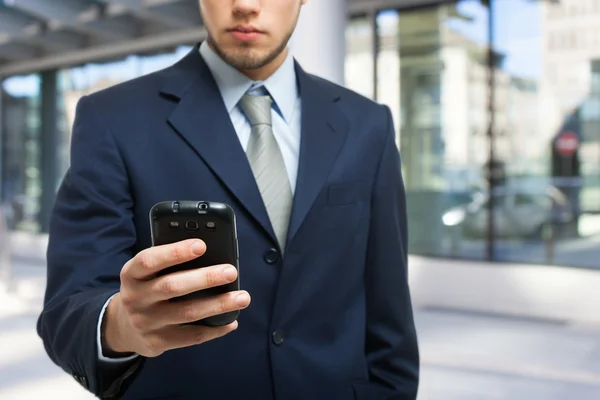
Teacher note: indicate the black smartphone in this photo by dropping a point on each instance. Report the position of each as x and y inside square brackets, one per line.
[212, 222]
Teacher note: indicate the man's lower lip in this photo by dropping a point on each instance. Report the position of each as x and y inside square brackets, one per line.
[245, 36]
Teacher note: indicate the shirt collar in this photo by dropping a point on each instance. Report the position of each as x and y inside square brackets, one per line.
[233, 84]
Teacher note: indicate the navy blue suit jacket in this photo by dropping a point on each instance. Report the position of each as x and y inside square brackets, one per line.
[339, 298]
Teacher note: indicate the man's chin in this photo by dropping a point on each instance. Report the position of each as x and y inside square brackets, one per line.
[246, 56]
[247, 61]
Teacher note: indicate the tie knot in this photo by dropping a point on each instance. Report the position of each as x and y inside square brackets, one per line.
[257, 109]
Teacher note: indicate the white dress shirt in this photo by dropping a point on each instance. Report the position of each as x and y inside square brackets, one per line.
[286, 113]
[286, 119]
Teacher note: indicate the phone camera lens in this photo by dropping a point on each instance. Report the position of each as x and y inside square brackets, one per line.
[191, 225]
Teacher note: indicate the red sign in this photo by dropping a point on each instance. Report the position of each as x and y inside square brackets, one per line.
[567, 144]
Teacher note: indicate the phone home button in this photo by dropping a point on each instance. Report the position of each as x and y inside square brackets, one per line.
[271, 256]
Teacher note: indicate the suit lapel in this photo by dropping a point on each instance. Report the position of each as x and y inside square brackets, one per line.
[324, 131]
[201, 119]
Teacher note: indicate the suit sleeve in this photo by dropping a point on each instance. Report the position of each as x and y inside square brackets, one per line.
[91, 236]
[391, 347]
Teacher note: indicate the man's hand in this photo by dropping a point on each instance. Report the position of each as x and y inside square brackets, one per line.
[140, 319]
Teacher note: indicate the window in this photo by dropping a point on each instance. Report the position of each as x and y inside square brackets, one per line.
[595, 86]
[571, 40]
[359, 56]
[434, 78]
[554, 10]
[21, 146]
[552, 41]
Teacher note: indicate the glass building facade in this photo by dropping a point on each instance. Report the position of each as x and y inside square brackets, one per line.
[36, 118]
[497, 111]
[20, 108]
[498, 119]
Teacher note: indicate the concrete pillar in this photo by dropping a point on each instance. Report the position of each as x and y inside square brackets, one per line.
[50, 145]
[319, 43]
[2, 143]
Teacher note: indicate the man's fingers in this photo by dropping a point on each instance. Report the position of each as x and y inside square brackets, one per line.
[185, 282]
[150, 261]
[177, 337]
[181, 312]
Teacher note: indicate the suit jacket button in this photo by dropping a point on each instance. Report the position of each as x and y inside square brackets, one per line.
[278, 337]
[271, 256]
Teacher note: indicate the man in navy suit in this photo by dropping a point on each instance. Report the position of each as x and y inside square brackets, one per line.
[313, 173]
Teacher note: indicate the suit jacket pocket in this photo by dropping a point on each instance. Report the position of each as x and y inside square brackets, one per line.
[340, 194]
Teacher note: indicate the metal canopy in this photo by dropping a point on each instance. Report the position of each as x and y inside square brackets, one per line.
[36, 35]
[42, 34]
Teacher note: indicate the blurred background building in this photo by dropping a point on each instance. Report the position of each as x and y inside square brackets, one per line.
[497, 112]
[428, 60]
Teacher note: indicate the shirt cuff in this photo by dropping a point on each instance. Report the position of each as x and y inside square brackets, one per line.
[101, 356]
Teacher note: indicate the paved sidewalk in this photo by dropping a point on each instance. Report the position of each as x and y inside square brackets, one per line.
[26, 372]
[465, 356]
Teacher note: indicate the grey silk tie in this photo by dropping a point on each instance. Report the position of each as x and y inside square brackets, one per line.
[267, 163]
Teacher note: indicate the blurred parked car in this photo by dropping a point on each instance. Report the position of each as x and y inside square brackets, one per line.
[518, 213]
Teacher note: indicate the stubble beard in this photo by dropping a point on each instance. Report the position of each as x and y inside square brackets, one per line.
[246, 57]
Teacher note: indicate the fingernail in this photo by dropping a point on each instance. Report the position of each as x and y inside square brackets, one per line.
[197, 247]
[229, 272]
[242, 299]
